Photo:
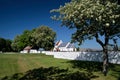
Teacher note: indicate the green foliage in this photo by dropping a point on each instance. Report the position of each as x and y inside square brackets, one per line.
[90, 18]
[22, 41]
[2, 44]
[44, 37]
[5, 45]
[41, 37]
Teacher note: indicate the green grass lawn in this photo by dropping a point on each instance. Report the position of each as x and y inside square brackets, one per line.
[42, 67]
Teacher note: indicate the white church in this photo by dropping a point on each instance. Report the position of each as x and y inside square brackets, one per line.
[64, 47]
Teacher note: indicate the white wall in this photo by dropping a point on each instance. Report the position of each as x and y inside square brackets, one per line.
[48, 52]
[66, 49]
[33, 51]
[24, 51]
[86, 56]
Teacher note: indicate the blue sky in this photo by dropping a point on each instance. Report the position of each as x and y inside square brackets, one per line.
[19, 15]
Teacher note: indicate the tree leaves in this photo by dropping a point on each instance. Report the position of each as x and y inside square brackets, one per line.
[44, 37]
[90, 17]
[5, 45]
[41, 37]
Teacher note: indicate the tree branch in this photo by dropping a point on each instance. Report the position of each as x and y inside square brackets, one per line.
[98, 40]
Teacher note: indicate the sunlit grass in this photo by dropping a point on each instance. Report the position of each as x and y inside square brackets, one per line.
[11, 64]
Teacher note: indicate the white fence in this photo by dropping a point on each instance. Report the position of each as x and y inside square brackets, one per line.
[114, 57]
[31, 51]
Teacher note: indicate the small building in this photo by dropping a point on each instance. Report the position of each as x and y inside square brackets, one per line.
[61, 46]
[26, 49]
[30, 49]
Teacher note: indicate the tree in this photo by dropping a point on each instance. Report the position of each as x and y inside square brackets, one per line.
[16, 44]
[21, 41]
[8, 45]
[41, 37]
[92, 19]
[2, 44]
[44, 37]
[5, 45]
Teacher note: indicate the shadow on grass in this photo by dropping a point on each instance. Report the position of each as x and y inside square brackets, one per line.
[86, 65]
[51, 73]
[91, 67]
[115, 71]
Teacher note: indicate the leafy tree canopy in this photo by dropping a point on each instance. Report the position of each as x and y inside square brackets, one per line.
[5, 45]
[44, 37]
[22, 41]
[92, 19]
[41, 37]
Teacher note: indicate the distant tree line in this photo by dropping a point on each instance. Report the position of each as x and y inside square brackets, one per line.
[5, 45]
[41, 37]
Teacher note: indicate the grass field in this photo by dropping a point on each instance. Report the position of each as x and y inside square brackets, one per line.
[42, 67]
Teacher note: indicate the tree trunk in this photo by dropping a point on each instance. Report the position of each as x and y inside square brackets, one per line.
[105, 51]
[105, 60]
